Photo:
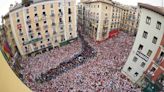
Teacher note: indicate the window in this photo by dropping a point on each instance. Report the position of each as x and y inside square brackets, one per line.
[160, 58]
[18, 20]
[129, 69]
[26, 48]
[154, 40]
[17, 14]
[145, 34]
[70, 28]
[148, 20]
[37, 24]
[142, 65]
[59, 4]
[136, 74]
[60, 20]
[36, 15]
[52, 6]
[39, 33]
[62, 38]
[43, 6]
[22, 39]
[158, 26]
[70, 19]
[48, 40]
[140, 47]
[106, 7]
[44, 13]
[135, 59]
[27, 11]
[29, 26]
[28, 17]
[149, 53]
[69, 10]
[69, 3]
[35, 8]
[52, 12]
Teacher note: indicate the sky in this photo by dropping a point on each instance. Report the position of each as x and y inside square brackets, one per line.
[4, 5]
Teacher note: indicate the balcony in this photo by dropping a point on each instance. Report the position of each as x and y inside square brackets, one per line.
[32, 41]
[54, 32]
[60, 14]
[37, 28]
[28, 21]
[53, 24]
[36, 19]
[52, 15]
[44, 18]
[49, 44]
[31, 33]
[149, 75]
[159, 82]
[158, 61]
[35, 48]
[47, 35]
[45, 27]
[21, 33]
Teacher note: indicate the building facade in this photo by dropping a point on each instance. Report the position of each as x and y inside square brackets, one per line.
[124, 18]
[8, 36]
[146, 57]
[42, 24]
[97, 18]
[101, 17]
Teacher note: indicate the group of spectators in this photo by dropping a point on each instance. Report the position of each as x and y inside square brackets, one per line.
[101, 73]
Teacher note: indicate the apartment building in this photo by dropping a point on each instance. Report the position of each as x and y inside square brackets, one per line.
[117, 12]
[80, 13]
[146, 58]
[117, 17]
[8, 36]
[39, 24]
[97, 18]
[129, 21]
[124, 18]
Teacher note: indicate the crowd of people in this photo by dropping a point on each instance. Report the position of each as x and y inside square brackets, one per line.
[101, 73]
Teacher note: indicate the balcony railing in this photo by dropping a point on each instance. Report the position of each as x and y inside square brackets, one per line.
[52, 15]
[53, 24]
[44, 18]
[36, 19]
[21, 33]
[32, 41]
[158, 61]
[60, 14]
[37, 28]
[159, 81]
[47, 35]
[45, 27]
[28, 21]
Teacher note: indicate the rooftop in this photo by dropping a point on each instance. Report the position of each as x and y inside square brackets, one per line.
[157, 9]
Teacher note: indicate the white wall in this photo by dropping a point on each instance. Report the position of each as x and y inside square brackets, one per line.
[147, 43]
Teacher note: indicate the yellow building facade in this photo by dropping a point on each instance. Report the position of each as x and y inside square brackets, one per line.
[43, 24]
[97, 18]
